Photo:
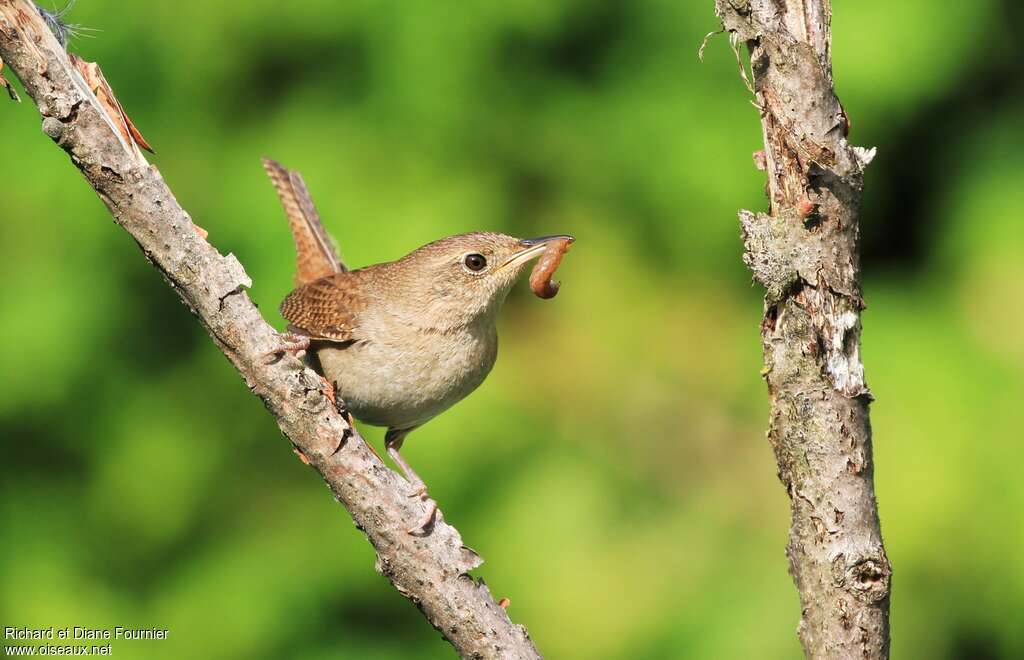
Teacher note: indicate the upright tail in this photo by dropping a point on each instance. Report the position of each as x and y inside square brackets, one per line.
[315, 251]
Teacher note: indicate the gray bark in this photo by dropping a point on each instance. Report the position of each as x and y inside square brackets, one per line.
[432, 571]
[805, 252]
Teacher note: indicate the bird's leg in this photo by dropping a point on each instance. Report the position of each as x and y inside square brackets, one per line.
[393, 440]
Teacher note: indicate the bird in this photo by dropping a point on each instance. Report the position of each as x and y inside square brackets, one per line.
[400, 342]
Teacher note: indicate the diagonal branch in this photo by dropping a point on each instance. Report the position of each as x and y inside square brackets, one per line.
[432, 571]
[806, 254]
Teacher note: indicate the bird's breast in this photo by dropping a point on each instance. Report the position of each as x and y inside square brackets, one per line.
[401, 376]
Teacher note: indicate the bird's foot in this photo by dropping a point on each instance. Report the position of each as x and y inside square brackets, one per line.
[290, 343]
[331, 392]
[426, 523]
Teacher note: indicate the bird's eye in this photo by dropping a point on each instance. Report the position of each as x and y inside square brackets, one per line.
[475, 262]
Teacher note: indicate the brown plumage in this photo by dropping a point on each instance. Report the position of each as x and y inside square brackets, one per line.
[405, 340]
[324, 309]
[315, 254]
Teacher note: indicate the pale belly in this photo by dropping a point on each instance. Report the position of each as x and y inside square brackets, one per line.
[403, 381]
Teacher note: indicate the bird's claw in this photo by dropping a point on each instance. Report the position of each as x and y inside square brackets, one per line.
[422, 528]
[426, 523]
[290, 343]
[331, 393]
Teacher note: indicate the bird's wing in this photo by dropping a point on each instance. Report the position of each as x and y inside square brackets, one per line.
[325, 309]
[315, 253]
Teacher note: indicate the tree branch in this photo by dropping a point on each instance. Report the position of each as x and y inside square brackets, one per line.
[806, 254]
[432, 571]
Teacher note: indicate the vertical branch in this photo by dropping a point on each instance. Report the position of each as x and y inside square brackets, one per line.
[805, 252]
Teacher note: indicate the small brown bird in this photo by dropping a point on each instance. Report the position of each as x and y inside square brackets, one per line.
[401, 341]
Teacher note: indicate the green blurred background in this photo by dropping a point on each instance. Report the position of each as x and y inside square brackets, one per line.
[613, 470]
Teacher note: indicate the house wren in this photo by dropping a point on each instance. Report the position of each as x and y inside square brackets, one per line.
[401, 341]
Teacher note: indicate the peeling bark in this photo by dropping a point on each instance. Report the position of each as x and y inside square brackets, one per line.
[805, 252]
[432, 571]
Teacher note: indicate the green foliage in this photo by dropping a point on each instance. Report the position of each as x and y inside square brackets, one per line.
[613, 470]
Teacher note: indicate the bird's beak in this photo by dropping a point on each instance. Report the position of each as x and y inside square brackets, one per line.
[533, 247]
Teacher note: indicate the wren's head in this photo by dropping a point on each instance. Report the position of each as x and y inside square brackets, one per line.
[463, 279]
